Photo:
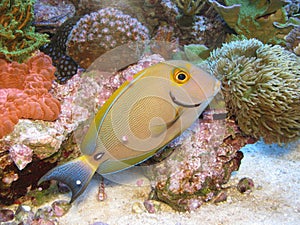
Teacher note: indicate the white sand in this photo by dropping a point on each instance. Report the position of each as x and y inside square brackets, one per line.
[275, 199]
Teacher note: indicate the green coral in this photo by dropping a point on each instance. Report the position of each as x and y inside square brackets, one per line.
[17, 37]
[255, 19]
[261, 87]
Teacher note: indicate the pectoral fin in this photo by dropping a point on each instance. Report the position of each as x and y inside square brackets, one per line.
[156, 130]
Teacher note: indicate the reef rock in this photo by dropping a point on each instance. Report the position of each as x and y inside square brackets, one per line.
[203, 160]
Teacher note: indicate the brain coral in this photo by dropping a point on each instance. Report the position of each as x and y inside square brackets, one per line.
[261, 87]
[24, 92]
[98, 32]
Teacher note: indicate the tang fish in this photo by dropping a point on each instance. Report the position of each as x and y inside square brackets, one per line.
[140, 118]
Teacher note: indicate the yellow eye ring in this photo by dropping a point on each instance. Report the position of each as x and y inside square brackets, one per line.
[180, 76]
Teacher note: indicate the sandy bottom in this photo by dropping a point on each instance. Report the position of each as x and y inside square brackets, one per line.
[274, 200]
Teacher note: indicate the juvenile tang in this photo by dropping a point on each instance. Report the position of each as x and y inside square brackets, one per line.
[140, 118]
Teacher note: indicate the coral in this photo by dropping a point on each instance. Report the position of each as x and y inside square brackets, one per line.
[49, 15]
[190, 7]
[206, 28]
[208, 31]
[47, 141]
[57, 141]
[56, 49]
[24, 92]
[17, 37]
[293, 7]
[79, 41]
[101, 31]
[203, 160]
[87, 6]
[188, 10]
[261, 87]
[164, 42]
[255, 20]
[293, 41]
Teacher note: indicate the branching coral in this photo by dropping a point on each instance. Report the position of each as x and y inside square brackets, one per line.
[255, 19]
[24, 92]
[190, 7]
[17, 37]
[101, 31]
[261, 86]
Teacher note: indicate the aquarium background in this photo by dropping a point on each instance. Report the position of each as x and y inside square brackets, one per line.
[237, 164]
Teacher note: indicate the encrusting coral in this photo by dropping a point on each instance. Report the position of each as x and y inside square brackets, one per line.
[261, 87]
[101, 31]
[255, 19]
[17, 37]
[24, 92]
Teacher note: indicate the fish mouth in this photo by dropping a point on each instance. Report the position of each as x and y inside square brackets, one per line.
[177, 102]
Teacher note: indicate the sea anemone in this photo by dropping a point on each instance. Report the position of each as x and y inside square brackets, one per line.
[261, 87]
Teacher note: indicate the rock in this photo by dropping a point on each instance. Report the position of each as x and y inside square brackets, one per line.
[60, 208]
[245, 185]
[6, 215]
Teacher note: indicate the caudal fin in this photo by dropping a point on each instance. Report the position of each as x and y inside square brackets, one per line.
[75, 174]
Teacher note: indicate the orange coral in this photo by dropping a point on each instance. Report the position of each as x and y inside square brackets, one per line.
[24, 92]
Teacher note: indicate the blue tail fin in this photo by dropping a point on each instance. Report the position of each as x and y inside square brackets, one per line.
[75, 174]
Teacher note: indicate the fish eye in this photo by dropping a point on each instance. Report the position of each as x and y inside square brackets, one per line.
[180, 76]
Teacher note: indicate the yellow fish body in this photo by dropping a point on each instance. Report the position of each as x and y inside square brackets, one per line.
[140, 118]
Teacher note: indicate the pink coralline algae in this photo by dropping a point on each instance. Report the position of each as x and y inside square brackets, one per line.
[101, 31]
[204, 158]
[21, 155]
